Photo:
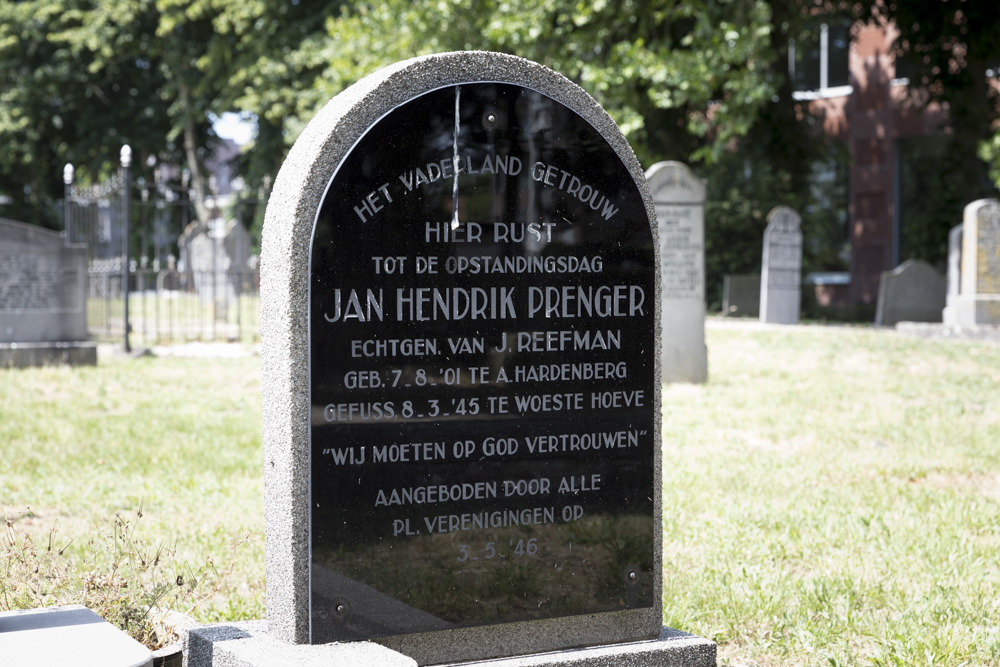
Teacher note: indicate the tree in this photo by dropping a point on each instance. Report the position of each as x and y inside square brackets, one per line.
[702, 82]
[82, 77]
[949, 52]
[680, 78]
[56, 107]
[774, 163]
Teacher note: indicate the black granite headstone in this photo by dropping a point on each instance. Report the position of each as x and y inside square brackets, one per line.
[482, 313]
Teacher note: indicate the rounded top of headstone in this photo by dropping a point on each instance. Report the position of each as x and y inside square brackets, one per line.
[332, 133]
[675, 181]
[916, 267]
[986, 209]
[784, 219]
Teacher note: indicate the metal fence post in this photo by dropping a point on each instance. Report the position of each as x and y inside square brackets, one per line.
[68, 193]
[126, 161]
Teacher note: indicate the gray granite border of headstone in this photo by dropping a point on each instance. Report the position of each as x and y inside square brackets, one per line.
[291, 212]
[247, 644]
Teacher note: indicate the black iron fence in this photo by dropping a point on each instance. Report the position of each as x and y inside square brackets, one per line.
[156, 275]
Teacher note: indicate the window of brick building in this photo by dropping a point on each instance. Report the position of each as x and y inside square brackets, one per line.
[818, 60]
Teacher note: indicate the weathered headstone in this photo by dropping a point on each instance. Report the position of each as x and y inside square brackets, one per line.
[741, 295]
[216, 259]
[979, 297]
[461, 382]
[912, 292]
[781, 268]
[43, 282]
[679, 199]
[950, 313]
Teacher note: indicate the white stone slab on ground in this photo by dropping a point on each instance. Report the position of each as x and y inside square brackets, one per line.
[63, 636]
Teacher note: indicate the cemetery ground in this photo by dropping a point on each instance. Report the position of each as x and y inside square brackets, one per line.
[831, 496]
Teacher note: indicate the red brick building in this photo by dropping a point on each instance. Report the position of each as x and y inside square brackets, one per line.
[851, 81]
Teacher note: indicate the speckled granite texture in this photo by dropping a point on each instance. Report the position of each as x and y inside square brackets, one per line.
[248, 645]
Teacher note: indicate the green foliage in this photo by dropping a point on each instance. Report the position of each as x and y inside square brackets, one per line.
[65, 97]
[989, 152]
[947, 50]
[931, 199]
[784, 159]
[682, 79]
[82, 77]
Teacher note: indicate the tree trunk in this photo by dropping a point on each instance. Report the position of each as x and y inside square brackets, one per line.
[191, 153]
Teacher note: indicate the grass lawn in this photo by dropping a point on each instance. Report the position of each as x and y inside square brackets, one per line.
[180, 438]
[832, 495]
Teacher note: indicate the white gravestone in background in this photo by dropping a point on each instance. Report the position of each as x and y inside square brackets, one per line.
[950, 313]
[679, 198]
[781, 268]
[979, 299]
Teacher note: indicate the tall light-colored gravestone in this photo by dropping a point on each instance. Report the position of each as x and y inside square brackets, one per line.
[979, 297]
[950, 313]
[781, 267]
[679, 198]
[460, 326]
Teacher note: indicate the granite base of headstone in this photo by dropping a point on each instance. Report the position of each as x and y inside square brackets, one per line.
[781, 268]
[984, 333]
[741, 295]
[679, 197]
[978, 301]
[949, 315]
[249, 644]
[43, 314]
[460, 318]
[912, 292]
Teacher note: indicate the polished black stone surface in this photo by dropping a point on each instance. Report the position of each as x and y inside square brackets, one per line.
[481, 372]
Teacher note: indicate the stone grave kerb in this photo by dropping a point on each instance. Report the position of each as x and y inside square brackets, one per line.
[289, 222]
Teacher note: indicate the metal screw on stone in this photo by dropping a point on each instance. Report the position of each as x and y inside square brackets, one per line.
[633, 576]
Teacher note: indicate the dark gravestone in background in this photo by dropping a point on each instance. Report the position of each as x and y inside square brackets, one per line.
[482, 372]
